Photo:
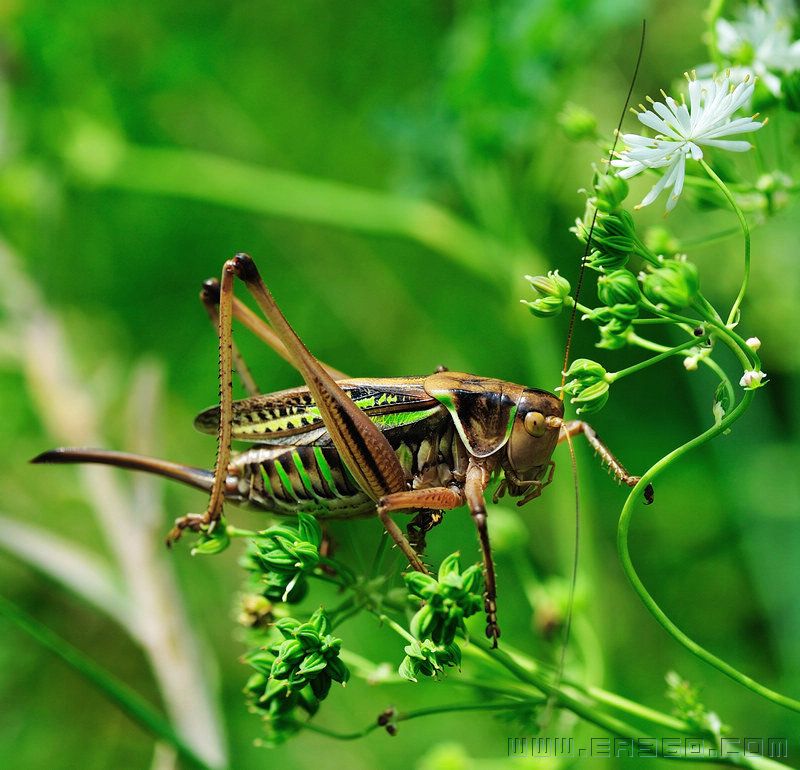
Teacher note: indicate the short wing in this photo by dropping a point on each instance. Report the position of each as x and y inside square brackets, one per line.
[292, 417]
[482, 408]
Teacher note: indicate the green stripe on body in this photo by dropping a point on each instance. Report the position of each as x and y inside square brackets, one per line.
[285, 480]
[325, 470]
[305, 479]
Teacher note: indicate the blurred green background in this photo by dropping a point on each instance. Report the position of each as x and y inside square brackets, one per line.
[114, 120]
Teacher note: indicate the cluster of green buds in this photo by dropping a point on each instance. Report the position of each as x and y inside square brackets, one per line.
[447, 600]
[672, 286]
[295, 671]
[426, 658]
[282, 556]
[588, 386]
[553, 292]
[619, 291]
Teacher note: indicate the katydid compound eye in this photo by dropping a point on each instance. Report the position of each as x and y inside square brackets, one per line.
[534, 423]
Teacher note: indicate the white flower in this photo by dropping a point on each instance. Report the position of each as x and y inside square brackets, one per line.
[754, 343]
[760, 40]
[682, 130]
[751, 379]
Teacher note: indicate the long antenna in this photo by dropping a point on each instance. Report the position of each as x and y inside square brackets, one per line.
[588, 249]
[551, 701]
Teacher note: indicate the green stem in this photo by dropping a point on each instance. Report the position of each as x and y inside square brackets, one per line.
[649, 602]
[636, 710]
[745, 232]
[614, 376]
[650, 321]
[127, 700]
[232, 531]
[590, 713]
[396, 627]
[687, 244]
[718, 370]
[635, 339]
[417, 713]
[664, 313]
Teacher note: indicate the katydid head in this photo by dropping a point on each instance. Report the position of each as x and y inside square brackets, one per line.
[516, 425]
[534, 436]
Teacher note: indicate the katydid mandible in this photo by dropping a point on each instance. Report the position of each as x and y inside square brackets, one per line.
[340, 448]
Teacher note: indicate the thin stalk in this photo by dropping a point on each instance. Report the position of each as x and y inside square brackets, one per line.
[416, 714]
[635, 339]
[396, 627]
[614, 376]
[590, 713]
[651, 321]
[745, 232]
[688, 244]
[652, 606]
[232, 531]
[629, 707]
[131, 703]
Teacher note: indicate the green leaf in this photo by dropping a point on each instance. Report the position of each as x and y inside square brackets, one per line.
[450, 564]
[408, 669]
[309, 529]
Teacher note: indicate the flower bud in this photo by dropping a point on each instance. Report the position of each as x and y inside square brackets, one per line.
[754, 343]
[610, 191]
[550, 285]
[674, 285]
[215, 541]
[577, 122]
[545, 307]
[661, 241]
[591, 399]
[614, 334]
[752, 379]
[586, 370]
[601, 260]
[615, 230]
[553, 290]
[618, 287]
[588, 388]
[613, 237]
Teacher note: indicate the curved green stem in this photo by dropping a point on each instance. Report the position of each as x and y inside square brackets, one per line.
[745, 232]
[649, 602]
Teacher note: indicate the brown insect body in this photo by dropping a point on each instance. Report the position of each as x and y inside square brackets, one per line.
[340, 448]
